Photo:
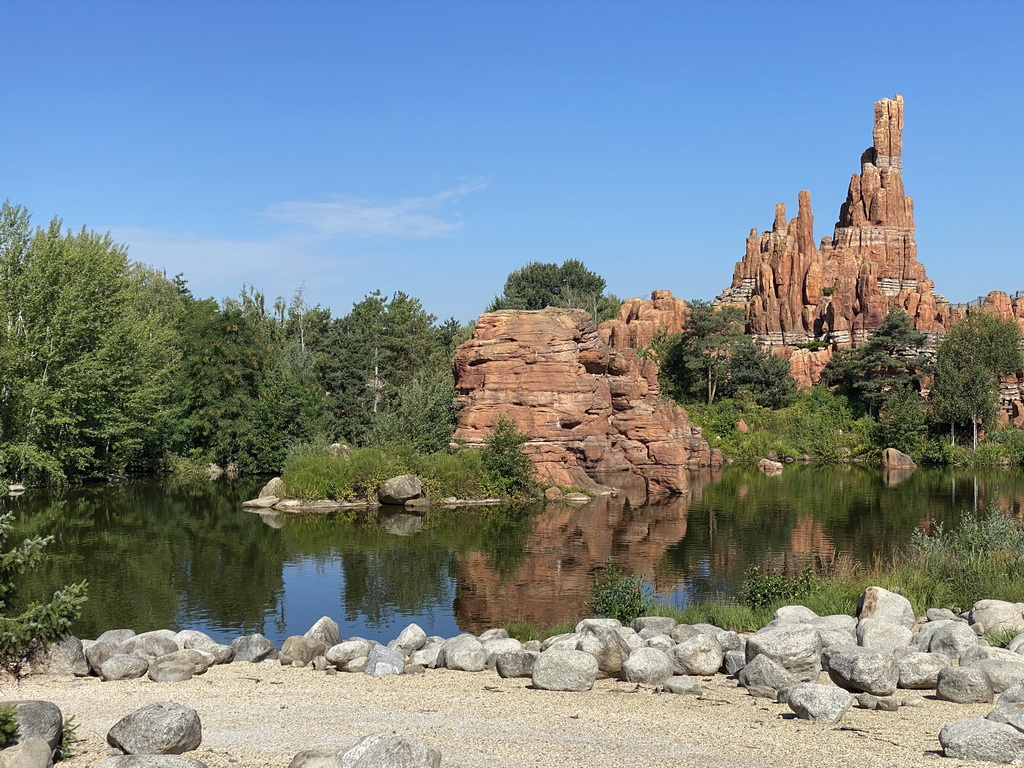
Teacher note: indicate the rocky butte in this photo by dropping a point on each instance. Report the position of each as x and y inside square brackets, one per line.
[585, 405]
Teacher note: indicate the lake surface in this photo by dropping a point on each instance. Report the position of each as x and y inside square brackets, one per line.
[160, 554]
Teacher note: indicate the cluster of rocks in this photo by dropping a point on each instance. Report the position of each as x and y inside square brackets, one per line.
[158, 735]
[819, 666]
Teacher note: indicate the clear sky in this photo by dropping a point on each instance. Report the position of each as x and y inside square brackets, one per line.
[432, 147]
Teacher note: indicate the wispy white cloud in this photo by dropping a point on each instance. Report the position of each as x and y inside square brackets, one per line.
[418, 218]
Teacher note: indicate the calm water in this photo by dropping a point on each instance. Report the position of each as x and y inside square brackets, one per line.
[160, 554]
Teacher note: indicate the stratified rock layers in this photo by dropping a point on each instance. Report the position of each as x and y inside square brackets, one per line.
[840, 291]
[585, 406]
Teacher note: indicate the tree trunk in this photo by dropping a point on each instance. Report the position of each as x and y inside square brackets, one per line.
[974, 424]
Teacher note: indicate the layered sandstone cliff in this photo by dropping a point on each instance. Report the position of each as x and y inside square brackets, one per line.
[640, 319]
[586, 406]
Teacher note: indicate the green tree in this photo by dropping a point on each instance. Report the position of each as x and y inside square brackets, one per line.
[762, 375]
[697, 360]
[572, 286]
[509, 468]
[35, 625]
[901, 422]
[890, 361]
[971, 358]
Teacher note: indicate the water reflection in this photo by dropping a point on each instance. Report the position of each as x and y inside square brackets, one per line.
[158, 554]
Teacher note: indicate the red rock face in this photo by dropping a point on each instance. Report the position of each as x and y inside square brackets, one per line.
[640, 319]
[585, 406]
[840, 291]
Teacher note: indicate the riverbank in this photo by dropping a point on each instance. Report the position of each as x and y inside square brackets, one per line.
[263, 714]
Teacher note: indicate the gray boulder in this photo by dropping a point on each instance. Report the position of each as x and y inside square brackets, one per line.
[341, 654]
[918, 670]
[300, 649]
[683, 686]
[384, 661]
[794, 614]
[28, 753]
[882, 635]
[379, 751]
[661, 642]
[733, 662]
[517, 663]
[197, 657]
[662, 624]
[1002, 674]
[37, 720]
[274, 487]
[881, 604]
[399, 490]
[121, 666]
[427, 655]
[982, 739]
[952, 639]
[604, 643]
[1009, 710]
[151, 761]
[796, 647]
[700, 655]
[495, 633]
[163, 728]
[838, 622]
[312, 758]
[253, 648]
[171, 671]
[193, 638]
[464, 653]
[939, 614]
[997, 616]
[564, 670]
[648, 666]
[410, 639]
[764, 672]
[821, 703]
[682, 632]
[863, 669]
[150, 645]
[98, 652]
[326, 630]
[116, 637]
[66, 657]
[566, 641]
[964, 685]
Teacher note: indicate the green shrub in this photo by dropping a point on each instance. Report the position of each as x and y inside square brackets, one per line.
[8, 726]
[616, 596]
[760, 590]
[68, 737]
[510, 470]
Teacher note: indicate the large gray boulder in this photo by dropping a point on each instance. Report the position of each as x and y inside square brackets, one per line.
[28, 753]
[428, 655]
[171, 671]
[997, 616]
[495, 647]
[200, 659]
[464, 653]
[564, 670]
[274, 487]
[116, 637]
[879, 603]
[604, 643]
[326, 630]
[122, 666]
[648, 666]
[151, 761]
[764, 672]
[919, 670]
[683, 686]
[379, 751]
[863, 669]
[662, 624]
[66, 657]
[794, 614]
[566, 641]
[399, 490]
[37, 720]
[341, 654]
[98, 652]
[1002, 674]
[314, 758]
[193, 638]
[163, 728]
[700, 655]
[300, 649]
[409, 640]
[253, 648]
[882, 635]
[982, 739]
[964, 685]
[150, 645]
[1009, 709]
[518, 663]
[951, 638]
[821, 703]
[796, 647]
[384, 661]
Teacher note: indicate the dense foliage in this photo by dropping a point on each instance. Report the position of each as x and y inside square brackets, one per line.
[572, 285]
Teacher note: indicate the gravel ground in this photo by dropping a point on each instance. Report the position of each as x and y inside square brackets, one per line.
[262, 714]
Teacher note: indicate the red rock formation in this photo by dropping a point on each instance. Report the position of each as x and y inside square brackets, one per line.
[584, 405]
[842, 290]
[640, 319]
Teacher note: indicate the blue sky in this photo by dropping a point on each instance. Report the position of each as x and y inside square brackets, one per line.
[432, 147]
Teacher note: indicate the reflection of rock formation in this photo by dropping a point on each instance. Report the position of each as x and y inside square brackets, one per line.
[566, 547]
[584, 405]
[400, 523]
[808, 538]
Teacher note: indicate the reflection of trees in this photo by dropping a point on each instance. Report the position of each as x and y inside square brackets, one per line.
[155, 554]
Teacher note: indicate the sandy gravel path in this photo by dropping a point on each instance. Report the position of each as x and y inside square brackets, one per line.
[262, 714]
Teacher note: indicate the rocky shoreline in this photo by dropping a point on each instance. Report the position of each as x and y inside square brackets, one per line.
[799, 668]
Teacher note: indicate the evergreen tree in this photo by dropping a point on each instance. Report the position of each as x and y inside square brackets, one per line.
[572, 286]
